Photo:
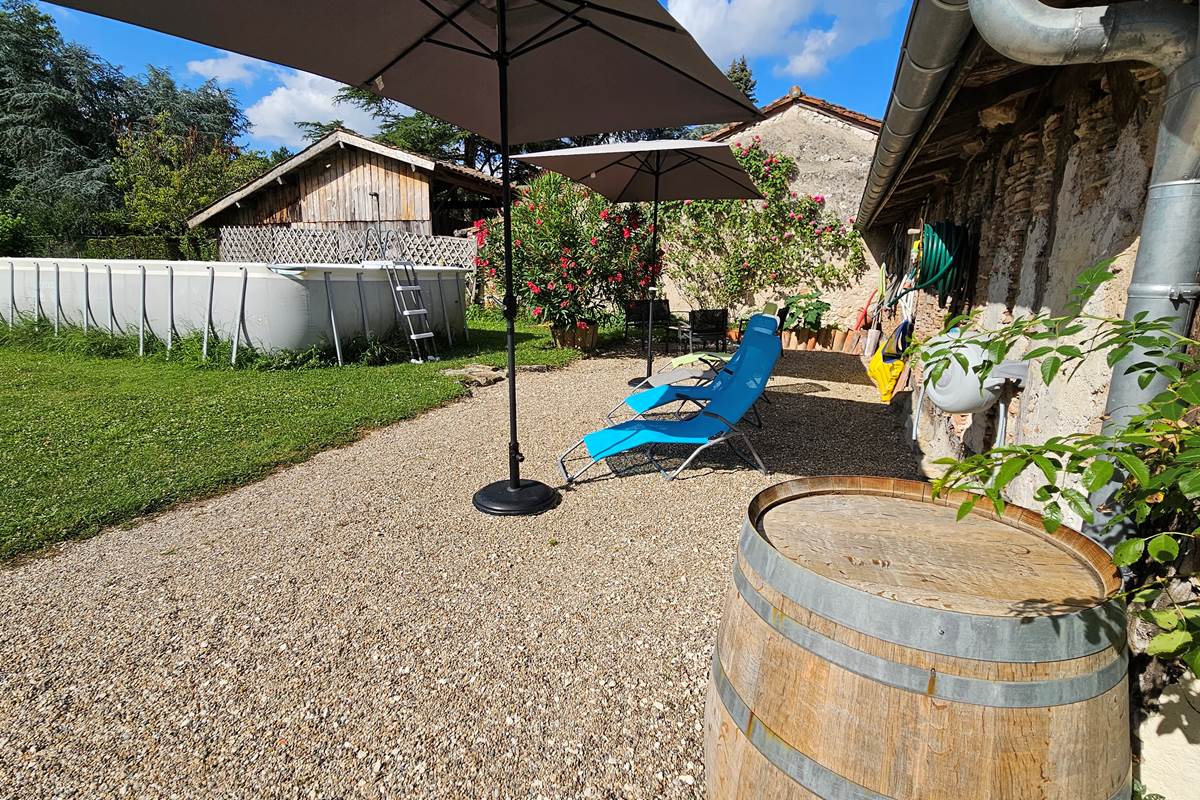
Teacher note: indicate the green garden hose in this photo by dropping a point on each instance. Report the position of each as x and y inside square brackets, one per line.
[942, 266]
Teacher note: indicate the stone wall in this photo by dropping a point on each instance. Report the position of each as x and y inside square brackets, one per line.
[1048, 201]
[832, 158]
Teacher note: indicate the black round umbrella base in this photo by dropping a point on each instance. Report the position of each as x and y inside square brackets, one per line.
[638, 381]
[500, 499]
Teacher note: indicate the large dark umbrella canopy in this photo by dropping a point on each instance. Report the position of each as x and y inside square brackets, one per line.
[667, 169]
[575, 67]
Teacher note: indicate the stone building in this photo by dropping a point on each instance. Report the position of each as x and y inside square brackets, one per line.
[1047, 169]
[832, 147]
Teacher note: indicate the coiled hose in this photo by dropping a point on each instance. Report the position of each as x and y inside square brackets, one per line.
[942, 266]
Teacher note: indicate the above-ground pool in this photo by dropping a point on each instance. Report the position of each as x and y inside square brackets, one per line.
[282, 306]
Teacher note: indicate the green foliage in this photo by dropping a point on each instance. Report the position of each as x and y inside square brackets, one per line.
[14, 235]
[741, 76]
[1155, 455]
[92, 435]
[720, 252]
[576, 258]
[199, 245]
[806, 311]
[316, 131]
[165, 177]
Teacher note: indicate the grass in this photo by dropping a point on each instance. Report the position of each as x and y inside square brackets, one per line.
[91, 436]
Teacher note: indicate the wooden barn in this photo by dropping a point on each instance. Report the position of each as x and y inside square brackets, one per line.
[347, 182]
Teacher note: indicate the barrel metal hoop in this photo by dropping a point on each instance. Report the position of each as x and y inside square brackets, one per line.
[810, 774]
[816, 778]
[984, 638]
[956, 688]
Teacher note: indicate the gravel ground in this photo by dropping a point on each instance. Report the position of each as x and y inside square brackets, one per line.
[352, 627]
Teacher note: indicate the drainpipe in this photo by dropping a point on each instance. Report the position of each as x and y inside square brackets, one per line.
[1166, 273]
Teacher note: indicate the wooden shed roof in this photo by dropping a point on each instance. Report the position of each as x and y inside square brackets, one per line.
[452, 173]
[796, 96]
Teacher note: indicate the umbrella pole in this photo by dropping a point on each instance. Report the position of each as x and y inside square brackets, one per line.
[513, 496]
[650, 288]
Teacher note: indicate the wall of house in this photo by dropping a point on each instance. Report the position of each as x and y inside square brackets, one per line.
[1049, 197]
[334, 191]
[832, 158]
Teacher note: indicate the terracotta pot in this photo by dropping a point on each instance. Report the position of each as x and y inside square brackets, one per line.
[853, 342]
[734, 334]
[573, 336]
[811, 343]
[800, 338]
[825, 339]
[839, 341]
[787, 340]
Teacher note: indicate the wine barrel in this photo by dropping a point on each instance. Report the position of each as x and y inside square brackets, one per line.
[872, 647]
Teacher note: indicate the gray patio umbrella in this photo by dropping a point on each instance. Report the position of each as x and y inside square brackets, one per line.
[667, 169]
[511, 70]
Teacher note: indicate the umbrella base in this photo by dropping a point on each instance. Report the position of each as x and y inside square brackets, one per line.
[640, 379]
[500, 499]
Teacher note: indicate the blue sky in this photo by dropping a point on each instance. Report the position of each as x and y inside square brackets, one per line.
[841, 50]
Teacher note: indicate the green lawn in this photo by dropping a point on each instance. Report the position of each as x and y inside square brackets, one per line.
[87, 442]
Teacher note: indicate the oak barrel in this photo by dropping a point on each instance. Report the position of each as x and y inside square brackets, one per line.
[872, 647]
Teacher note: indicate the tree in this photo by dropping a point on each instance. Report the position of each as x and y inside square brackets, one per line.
[316, 131]
[166, 176]
[58, 107]
[740, 74]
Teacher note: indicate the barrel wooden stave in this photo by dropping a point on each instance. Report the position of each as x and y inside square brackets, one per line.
[878, 740]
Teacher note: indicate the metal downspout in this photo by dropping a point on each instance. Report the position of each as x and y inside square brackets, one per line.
[1166, 273]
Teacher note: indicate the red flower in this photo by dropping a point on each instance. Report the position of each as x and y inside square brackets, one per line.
[516, 243]
[537, 222]
[477, 224]
[533, 287]
[581, 325]
[593, 241]
[550, 286]
[481, 262]
[564, 304]
[537, 311]
[570, 287]
[625, 232]
[566, 251]
[492, 271]
[604, 213]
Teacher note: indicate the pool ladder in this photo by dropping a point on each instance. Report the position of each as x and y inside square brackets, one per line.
[409, 301]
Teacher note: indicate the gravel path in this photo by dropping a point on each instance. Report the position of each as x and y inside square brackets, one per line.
[352, 627]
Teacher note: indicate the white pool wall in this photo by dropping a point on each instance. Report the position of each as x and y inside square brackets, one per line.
[286, 306]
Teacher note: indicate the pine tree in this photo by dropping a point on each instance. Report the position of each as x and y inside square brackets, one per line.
[740, 74]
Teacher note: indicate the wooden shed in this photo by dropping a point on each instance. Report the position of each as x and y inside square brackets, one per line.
[348, 182]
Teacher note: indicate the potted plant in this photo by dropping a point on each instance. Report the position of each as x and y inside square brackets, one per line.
[805, 312]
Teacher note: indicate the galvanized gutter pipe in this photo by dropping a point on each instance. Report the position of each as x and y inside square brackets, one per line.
[936, 32]
[1166, 274]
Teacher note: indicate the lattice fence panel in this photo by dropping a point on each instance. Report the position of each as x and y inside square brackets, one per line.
[275, 245]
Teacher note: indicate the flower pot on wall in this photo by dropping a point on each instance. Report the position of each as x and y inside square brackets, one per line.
[581, 336]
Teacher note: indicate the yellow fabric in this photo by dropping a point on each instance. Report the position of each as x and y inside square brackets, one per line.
[885, 374]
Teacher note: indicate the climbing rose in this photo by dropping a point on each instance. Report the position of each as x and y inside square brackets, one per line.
[581, 325]
[625, 232]
[533, 287]
[537, 311]
[604, 213]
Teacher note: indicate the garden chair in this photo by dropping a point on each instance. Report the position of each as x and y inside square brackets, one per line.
[711, 381]
[637, 313]
[706, 326]
[762, 323]
[691, 359]
[715, 424]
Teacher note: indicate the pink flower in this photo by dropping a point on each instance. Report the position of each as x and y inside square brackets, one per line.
[594, 241]
[537, 222]
[550, 286]
[537, 311]
[766, 204]
[570, 287]
[819, 198]
[581, 325]
[688, 202]
[516, 243]
[625, 232]
[788, 234]
[566, 251]
[564, 304]
[533, 287]
[604, 213]
[492, 271]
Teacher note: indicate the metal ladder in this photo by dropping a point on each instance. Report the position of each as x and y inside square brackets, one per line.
[409, 302]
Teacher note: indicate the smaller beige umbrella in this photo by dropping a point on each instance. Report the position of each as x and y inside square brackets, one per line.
[665, 169]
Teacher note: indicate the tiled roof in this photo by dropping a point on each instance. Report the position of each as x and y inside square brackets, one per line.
[797, 97]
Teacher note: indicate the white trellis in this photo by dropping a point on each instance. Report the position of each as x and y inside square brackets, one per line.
[278, 245]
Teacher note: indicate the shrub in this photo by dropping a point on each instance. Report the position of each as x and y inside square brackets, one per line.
[14, 235]
[720, 252]
[576, 257]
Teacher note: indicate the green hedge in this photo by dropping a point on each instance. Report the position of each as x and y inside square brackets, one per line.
[190, 247]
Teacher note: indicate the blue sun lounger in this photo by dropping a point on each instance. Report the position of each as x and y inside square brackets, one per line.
[715, 424]
[665, 387]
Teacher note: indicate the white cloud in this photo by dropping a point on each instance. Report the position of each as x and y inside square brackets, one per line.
[229, 68]
[302, 97]
[785, 30]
